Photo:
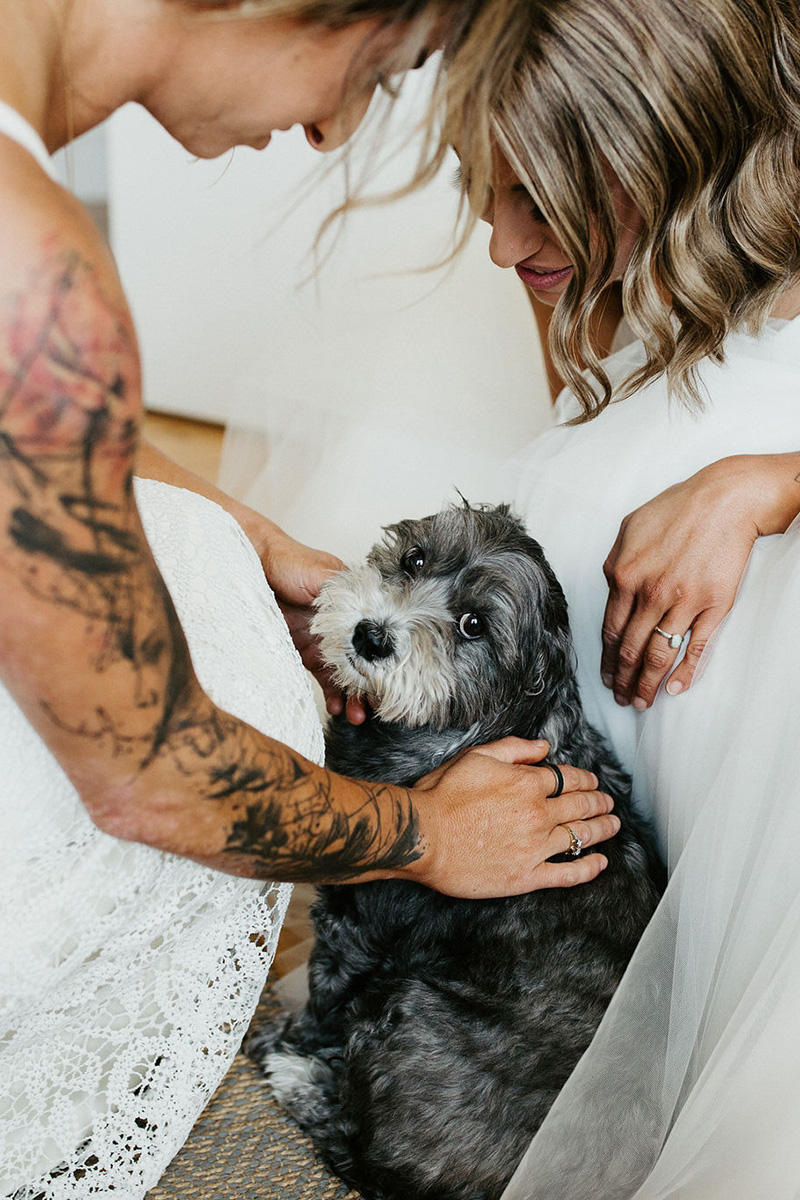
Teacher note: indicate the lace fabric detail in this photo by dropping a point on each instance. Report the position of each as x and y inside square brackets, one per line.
[128, 976]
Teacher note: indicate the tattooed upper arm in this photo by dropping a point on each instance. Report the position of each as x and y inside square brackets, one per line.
[89, 639]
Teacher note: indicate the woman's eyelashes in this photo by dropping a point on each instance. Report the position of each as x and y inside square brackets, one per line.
[535, 212]
[390, 84]
[461, 182]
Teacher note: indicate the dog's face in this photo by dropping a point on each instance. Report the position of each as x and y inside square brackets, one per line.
[452, 618]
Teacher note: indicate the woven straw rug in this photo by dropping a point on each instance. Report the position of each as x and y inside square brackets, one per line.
[244, 1147]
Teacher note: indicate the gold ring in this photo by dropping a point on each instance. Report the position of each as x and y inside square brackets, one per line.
[575, 843]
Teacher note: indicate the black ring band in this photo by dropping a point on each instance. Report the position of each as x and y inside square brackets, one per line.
[559, 782]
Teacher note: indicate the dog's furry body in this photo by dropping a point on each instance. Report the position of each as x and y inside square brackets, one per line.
[439, 1031]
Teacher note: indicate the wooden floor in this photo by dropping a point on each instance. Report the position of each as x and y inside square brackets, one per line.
[197, 445]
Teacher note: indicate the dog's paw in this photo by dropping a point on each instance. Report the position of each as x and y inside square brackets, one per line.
[261, 1042]
[292, 1077]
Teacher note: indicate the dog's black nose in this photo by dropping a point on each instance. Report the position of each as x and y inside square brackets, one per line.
[372, 641]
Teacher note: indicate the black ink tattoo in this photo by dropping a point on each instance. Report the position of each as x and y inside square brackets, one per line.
[69, 416]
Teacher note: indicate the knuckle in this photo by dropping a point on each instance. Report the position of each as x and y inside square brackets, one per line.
[657, 656]
[611, 825]
[588, 805]
[624, 578]
[538, 815]
[628, 656]
[611, 636]
[695, 649]
[655, 591]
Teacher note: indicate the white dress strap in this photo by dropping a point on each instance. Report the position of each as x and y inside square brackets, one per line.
[14, 126]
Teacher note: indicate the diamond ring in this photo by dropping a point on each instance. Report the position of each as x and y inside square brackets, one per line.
[675, 639]
[575, 843]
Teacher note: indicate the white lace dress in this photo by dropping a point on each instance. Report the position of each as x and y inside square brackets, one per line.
[691, 1088]
[128, 976]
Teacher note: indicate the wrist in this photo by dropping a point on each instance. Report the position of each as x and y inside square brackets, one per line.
[259, 529]
[777, 492]
[764, 487]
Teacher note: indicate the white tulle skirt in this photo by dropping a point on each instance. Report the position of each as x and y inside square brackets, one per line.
[691, 1087]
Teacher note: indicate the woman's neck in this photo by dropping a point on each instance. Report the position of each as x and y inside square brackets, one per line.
[788, 307]
[68, 64]
[31, 77]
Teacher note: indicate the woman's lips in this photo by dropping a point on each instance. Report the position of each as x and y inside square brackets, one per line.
[543, 280]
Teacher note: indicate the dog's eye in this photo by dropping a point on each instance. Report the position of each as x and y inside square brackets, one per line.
[413, 561]
[471, 626]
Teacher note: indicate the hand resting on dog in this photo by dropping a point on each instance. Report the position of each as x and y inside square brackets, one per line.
[489, 822]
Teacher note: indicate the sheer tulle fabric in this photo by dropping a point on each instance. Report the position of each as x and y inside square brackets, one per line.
[691, 1087]
[128, 976]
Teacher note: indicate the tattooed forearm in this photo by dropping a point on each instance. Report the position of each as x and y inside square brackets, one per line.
[71, 536]
[307, 836]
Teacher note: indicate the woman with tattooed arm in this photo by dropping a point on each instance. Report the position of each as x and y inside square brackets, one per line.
[129, 972]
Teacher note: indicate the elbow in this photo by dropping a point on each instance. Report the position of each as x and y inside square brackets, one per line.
[126, 813]
[170, 820]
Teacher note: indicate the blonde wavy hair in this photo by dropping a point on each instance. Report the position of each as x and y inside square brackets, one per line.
[694, 106]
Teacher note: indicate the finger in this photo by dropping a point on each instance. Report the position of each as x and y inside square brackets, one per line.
[575, 780]
[522, 752]
[632, 647]
[356, 710]
[568, 874]
[619, 607]
[579, 806]
[660, 655]
[589, 833]
[703, 636]
[515, 750]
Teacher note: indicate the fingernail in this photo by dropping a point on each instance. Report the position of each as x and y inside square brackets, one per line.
[603, 863]
[674, 687]
[621, 700]
[607, 679]
[616, 822]
[639, 704]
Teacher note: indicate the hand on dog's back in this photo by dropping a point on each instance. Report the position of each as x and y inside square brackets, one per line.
[489, 825]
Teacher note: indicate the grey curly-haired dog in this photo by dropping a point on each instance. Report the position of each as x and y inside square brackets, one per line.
[439, 1031]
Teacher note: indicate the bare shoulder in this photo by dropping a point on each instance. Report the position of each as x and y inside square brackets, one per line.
[34, 206]
[68, 355]
[55, 268]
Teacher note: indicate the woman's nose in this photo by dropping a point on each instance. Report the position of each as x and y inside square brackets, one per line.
[333, 133]
[515, 235]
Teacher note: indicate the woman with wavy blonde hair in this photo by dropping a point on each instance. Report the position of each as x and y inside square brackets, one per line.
[657, 143]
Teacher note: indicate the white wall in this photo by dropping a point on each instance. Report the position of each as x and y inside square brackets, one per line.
[213, 256]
